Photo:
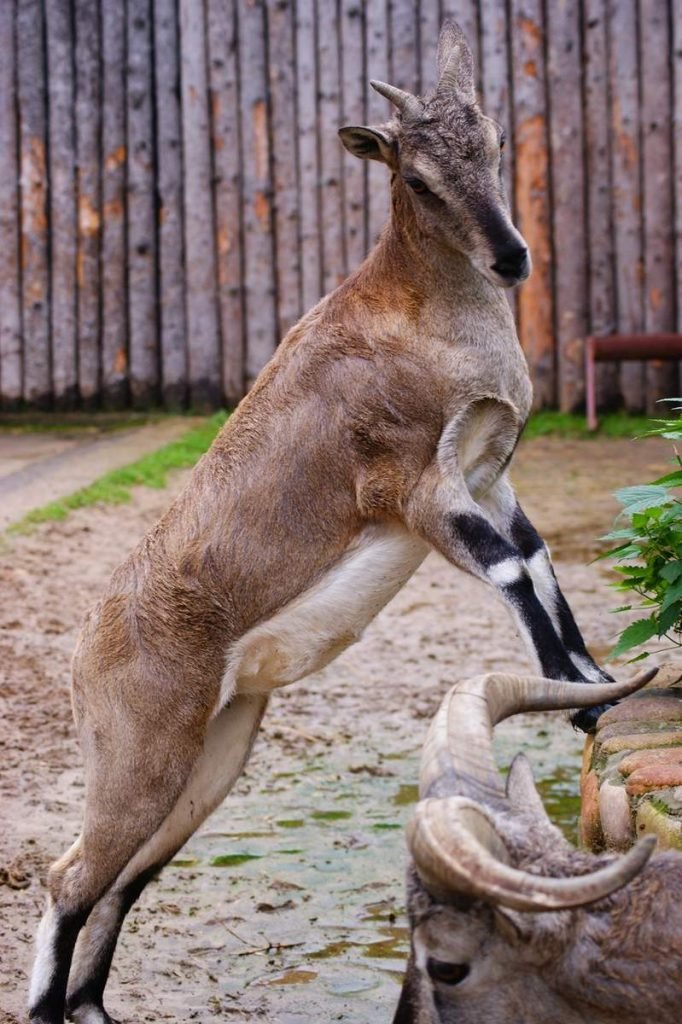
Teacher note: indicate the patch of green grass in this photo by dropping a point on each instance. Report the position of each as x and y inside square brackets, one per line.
[114, 488]
[549, 423]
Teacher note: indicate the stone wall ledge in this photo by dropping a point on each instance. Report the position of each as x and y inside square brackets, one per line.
[631, 781]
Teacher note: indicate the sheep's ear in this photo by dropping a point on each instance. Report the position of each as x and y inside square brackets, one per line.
[455, 63]
[370, 143]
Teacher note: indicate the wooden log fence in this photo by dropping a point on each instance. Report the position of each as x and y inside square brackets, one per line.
[173, 195]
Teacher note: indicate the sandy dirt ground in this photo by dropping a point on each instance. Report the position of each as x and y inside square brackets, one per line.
[287, 906]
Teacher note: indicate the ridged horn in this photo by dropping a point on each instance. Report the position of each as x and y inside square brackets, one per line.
[404, 101]
[458, 759]
[456, 849]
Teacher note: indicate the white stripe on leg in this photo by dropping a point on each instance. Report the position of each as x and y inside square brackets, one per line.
[45, 962]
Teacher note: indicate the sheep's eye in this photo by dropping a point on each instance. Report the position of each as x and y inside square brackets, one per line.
[503, 139]
[445, 973]
[417, 185]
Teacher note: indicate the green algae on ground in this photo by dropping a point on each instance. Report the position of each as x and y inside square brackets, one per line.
[331, 815]
[227, 860]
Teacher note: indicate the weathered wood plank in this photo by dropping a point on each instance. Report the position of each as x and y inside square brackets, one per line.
[88, 121]
[282, 75]
[353, 112]
[535, 301]
[227, 156]
[10, 285]
[114, 327]
[37, 382]
[378, 112]
[142, 283]
[429, 29]
[659, 246]
[601, 294]
[259, 279]
[625, 174]
[403, 54]
[331, 160]
[202, 311]
[307, 153]
[568, 213]
[62, 195]
[171, 274]
[676, 22]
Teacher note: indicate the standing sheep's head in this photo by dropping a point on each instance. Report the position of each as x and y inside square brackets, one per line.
[445, 157]
[509, 923]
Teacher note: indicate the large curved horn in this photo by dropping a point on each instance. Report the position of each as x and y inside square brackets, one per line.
[456, 849]
[404, 101]
[458, 757]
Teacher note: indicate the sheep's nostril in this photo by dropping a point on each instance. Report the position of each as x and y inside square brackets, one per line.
[511, 262]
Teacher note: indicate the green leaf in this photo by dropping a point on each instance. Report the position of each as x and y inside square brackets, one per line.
[669, 616]
[622, 608]
[641, 497]
[639, 657]
[673, 594]
[636, 633]
[672, 571]
[671, 479]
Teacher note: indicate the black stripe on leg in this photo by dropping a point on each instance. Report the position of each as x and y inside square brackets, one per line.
[551, 653]
[524, 534]
[484, 543]
[91, 991]
[50, 1007]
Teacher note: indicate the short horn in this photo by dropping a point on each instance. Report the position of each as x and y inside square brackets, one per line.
[404, 101]
[456, 849]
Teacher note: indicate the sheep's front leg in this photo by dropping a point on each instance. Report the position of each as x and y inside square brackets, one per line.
[442, 510]
[507, 515]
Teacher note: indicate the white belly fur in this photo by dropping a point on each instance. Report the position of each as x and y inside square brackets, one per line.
[311, 630]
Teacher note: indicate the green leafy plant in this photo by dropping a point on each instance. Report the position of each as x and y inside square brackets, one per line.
[649, 551]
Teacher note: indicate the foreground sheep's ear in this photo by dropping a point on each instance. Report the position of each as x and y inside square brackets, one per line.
[370, 143]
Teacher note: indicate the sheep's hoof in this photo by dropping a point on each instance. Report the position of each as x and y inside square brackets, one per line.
[586, 718]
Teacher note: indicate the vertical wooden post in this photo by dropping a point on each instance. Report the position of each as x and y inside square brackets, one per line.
[429, 30]
[625, 174]
[334, 261]
[259, 279]
[37, 377]
[114, 333]
[601, 295]
[308, 160]
[62, 171]
[202, 313]
[282, 83]
[142, 284]
[659, 247]
[568, 208]
[223, 64]
[353, 112]
[677, 153]
[535, 305]
[10, 284]
[378, 112]
[403, 54]
[88, 108]
[171, 271]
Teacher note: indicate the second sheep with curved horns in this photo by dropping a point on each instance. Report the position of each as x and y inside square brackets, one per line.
[509, 924]
[381, 428]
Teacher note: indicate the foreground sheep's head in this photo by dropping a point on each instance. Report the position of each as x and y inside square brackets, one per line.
[509, 923]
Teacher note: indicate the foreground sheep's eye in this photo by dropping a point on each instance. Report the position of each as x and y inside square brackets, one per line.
[445, 973]
[503, 139]
[417, 185]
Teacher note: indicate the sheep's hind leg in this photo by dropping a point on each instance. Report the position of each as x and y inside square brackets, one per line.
[228, 742]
